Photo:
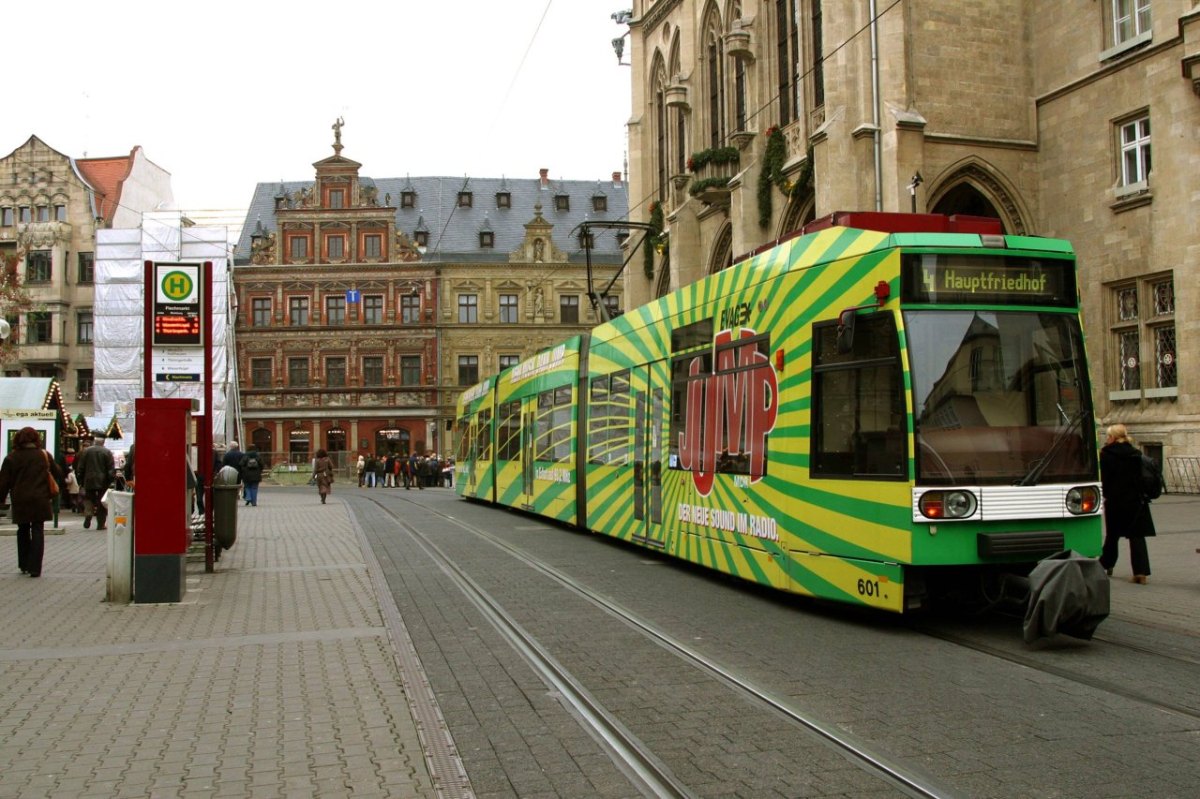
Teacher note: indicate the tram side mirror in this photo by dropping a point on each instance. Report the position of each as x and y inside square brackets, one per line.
[845, 332]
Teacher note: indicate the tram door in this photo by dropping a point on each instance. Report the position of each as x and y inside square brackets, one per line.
[528, 434]
[650, 422]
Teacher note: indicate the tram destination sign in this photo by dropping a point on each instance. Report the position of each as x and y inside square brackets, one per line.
[974, 280]
[177, 308]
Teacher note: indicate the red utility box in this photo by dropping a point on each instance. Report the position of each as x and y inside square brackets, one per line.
[161, 516]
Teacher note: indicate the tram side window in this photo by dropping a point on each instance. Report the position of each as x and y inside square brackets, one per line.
[620, 430]
[608, 420]
[508, 431]
[552, 426]
[483, 435]
[598, 414]
[684, 370]
[859, 427]
[462, 433]
[737, 363]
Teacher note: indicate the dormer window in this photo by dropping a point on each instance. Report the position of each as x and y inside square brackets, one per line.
[562, 202]
[408, 199]
[464, 199]
[422, 238]
[337, 198]
[487, 239]
[586, 241]
[503, 199]
[599, 202]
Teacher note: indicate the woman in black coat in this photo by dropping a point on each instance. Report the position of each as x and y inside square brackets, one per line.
[1126, 509]
[25, 474]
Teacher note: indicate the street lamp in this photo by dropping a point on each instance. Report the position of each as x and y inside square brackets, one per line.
[5, 330]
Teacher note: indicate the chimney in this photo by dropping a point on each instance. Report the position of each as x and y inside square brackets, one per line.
[616, 178]
[545, 173]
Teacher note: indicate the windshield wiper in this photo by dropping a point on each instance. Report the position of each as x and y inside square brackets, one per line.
[1043, 463]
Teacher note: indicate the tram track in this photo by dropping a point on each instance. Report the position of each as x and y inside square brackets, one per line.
[644, 769]
[1124, 690]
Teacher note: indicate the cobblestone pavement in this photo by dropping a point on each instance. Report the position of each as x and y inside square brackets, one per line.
[276, 676]
[1171, 598]
[282, 673]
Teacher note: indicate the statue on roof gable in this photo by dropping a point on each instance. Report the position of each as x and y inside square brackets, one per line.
[337, 134]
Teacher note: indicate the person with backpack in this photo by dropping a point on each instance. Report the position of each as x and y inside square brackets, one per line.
[1126, 503]
[251, 471]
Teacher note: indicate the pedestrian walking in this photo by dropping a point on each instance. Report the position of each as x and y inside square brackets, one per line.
[250, 472]
[74, 492]
[414, 469]
[1126, 508]
[97, 470]
[232, 457]
[369, 471]
[27, 473]
[361, 466]
[323, 474]
[380, 466]
[389, 471]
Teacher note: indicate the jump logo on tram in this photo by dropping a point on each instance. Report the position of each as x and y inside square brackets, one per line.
[729, 411]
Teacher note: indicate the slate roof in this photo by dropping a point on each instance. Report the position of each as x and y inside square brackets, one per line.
[454, 231]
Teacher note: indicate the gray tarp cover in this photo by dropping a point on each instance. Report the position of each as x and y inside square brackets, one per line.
[1068, 594]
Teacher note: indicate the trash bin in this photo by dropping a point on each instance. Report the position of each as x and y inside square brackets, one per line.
[225, 502]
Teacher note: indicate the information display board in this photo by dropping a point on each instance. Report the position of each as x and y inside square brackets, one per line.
[177, 308]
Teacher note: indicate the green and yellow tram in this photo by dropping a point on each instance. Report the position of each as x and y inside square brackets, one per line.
[885, 410]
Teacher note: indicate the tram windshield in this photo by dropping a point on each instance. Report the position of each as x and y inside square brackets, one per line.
[1000, 398]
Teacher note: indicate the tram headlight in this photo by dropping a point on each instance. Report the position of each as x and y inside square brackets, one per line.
[948, 504]
[1082, 500]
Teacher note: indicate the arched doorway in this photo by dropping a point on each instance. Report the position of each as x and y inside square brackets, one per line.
[335, 444]
[800, 211]
[722, 254]
[663, 287]
[393, 441]
[263, 442]
[974, 188]
[299, 446]
[966, 199]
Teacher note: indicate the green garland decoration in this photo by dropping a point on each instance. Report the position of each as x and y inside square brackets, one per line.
[713, 155]
[699, 186]
[772, 175]
[652, 238]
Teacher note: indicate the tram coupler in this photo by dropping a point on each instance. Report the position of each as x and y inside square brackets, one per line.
[1068, 595]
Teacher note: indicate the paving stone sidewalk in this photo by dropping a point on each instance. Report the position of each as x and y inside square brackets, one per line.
[275, 676]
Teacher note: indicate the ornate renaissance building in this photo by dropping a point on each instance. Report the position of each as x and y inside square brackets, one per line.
[365, 306]
[51, 206]
[752, 117]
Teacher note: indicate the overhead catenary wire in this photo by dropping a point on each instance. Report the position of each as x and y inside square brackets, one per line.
[651, 196]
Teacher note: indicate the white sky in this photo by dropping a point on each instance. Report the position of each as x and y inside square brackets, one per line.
[226, 94]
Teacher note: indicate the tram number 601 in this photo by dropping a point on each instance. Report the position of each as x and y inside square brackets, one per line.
[869, 588]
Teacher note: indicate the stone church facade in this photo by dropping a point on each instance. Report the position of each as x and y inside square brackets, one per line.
[1072, 120]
